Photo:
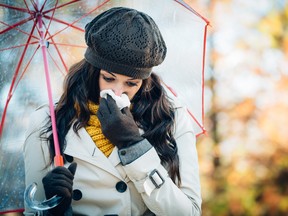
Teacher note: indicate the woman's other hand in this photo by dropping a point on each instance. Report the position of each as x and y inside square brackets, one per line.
[59, 182]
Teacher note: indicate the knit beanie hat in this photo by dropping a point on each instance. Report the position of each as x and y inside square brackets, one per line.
[124, 41]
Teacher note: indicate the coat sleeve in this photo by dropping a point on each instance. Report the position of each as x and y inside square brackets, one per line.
[169, 199]
[36, 155]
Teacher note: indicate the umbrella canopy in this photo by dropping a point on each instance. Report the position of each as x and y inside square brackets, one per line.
[41, 39]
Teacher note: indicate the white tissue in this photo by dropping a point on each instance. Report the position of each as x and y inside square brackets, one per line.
[121, 101]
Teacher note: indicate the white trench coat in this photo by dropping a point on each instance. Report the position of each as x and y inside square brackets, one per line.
[103, 186]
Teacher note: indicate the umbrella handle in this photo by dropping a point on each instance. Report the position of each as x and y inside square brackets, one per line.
[31, 190]
[36, 205]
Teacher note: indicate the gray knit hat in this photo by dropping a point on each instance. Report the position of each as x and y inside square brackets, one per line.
[124, 41]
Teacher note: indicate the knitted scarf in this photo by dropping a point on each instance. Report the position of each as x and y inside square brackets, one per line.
[94, 130]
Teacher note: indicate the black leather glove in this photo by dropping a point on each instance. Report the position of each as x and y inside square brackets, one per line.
[117, 125]
[59, 182]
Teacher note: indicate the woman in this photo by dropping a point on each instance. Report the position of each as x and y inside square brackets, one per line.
[136, 160]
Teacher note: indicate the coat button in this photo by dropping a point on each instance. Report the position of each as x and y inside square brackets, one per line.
[123, 152]
[77, 194]
[121, 187]
[69, 158]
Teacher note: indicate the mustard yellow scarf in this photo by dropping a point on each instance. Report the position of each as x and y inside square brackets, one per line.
[94, 130]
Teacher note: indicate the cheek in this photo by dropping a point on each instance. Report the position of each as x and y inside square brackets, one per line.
[133, 92]
[103, 85]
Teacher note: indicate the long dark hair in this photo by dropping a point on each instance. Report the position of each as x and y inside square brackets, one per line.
[151, 109]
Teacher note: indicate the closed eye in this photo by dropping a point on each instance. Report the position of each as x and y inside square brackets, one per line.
[108, 79]
[132, 84]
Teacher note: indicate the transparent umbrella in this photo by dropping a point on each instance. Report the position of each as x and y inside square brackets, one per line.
[40, 40]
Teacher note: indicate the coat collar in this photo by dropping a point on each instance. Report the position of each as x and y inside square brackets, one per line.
[82, 146]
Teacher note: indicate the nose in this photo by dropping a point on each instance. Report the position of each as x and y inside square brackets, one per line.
[118, 90]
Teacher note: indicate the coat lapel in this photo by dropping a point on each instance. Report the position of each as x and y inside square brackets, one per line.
[84, 148]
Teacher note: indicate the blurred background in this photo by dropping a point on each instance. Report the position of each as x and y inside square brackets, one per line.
[243, 159]
[244, 155]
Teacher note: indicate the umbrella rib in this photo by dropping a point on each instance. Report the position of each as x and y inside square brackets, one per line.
[9, 96]
[197, 122]
[61, 57]
[91, 11]
[18, 46]
[80, 19]
[16, 8]
[203, 68]
[25, 69]
[170, 89]
[189, 112]
[19, 30]
[34, 5]
[50, 21]
[62, 60]
[62, 5]
[43, 5]
[70, 45]
[17, 24]
[63, 22]
[184, 4]
[27, 6]
[57, 65]
[20, 62]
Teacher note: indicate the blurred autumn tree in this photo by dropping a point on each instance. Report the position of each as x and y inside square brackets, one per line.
[243, 160]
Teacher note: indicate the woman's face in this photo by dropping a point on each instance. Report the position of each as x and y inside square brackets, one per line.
[119, 83]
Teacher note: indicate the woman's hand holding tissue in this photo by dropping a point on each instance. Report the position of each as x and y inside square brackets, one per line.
[121, 101]
[117, 125]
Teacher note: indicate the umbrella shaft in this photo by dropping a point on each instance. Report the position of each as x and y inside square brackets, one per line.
[49, 90]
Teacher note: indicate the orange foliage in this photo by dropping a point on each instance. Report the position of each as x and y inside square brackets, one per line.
[273, 123]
